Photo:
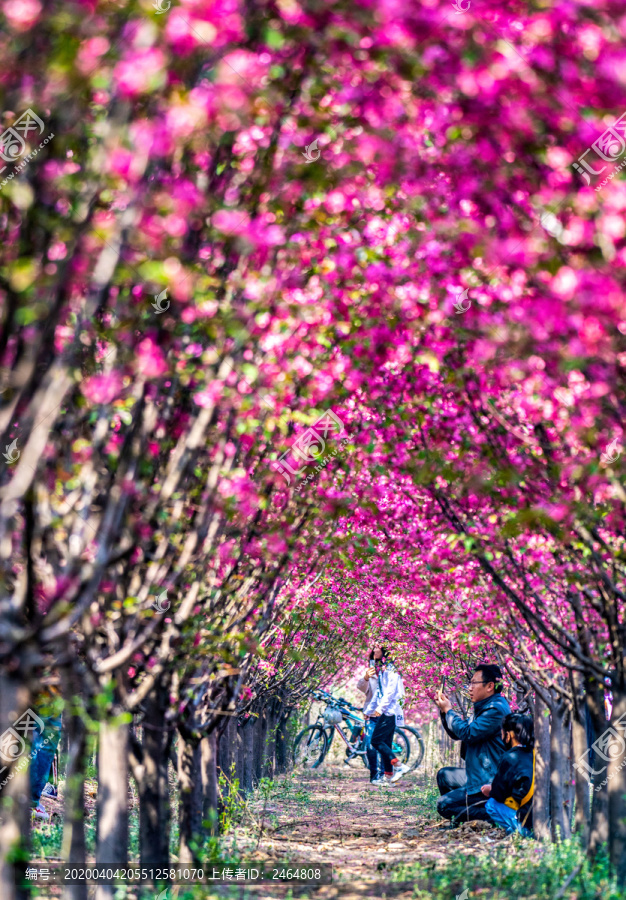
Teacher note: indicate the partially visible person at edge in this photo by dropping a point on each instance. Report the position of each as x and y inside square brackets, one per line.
[49, 707]
[368, 685]
[482, 746]
[511, 792]
[384, 707]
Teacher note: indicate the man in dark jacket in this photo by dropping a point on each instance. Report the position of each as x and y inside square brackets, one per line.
[482, 746]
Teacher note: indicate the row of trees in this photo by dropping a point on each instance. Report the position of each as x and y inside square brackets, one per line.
[252, 215]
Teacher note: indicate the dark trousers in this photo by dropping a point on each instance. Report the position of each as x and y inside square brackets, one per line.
[455, 803]
[382, 739]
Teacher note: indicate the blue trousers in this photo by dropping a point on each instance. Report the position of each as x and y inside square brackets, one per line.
[374, 759]
[43, 748]
[504, 817]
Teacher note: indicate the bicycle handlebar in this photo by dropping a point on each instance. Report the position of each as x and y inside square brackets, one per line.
[334, 701]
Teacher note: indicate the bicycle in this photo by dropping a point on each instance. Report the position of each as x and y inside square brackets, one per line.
[416, 744]
[313, 742]
[349, 712]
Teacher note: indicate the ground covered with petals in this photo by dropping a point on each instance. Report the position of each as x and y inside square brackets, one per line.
[389, 842]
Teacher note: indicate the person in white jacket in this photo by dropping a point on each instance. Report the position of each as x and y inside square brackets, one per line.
[385, 708]
[368, 685]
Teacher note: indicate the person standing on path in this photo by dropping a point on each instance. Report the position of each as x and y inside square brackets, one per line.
[368, 685]
[482, 747]
[385, 707]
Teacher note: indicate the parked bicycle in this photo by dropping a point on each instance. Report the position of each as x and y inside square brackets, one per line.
[313, 743]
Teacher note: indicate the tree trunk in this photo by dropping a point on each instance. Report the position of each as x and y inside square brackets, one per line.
[64, 753]
[15, 699]
[560, 811]
[74, 849]
[595, 769]
[248, 751]
[427, 767]
[570, 790]
[190, 800]
[152, 786]
[112, 804]
[258, 747]
[269, 761]
[239, 756]
[208, 756]
[282, 748]
[579, 746]
[614, 748]
[541, 800]
[226, 749]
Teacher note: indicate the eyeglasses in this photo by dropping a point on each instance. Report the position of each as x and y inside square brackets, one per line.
[470, 683]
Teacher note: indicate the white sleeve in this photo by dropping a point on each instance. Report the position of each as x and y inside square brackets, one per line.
[389, 692]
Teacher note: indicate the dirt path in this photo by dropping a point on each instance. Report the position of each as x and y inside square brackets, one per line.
[370, 835]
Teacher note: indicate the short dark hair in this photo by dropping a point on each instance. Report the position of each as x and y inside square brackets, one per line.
[522, 727]
[491, 672]
[383, 652]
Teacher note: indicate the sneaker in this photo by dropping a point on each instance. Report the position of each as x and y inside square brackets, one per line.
[49, 791]
[398, 773]
[380, 779]
[39, 812]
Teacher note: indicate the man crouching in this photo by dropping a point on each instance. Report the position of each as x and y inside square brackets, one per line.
[482, 746]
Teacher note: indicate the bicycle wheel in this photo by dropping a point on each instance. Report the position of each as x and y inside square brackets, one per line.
[309, 748]
[356, 756]
[416, 743]
[401, 746]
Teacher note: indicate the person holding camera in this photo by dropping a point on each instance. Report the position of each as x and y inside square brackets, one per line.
[482, 746]
[368, 685]
[385, 708]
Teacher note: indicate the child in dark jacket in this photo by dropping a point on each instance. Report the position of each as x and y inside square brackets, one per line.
[510, 793]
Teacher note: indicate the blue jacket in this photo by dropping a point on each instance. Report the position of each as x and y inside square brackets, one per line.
[482, 739]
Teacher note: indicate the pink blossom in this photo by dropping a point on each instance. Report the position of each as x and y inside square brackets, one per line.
[89, 54]
[335, 202]
[150, 359]
[102, 388]
[22, 14]
[141, 74]
[230, 221]
[276, 544]
[209, 395]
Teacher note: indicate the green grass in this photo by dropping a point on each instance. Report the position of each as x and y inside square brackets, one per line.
[527, 870]
[518, 870]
